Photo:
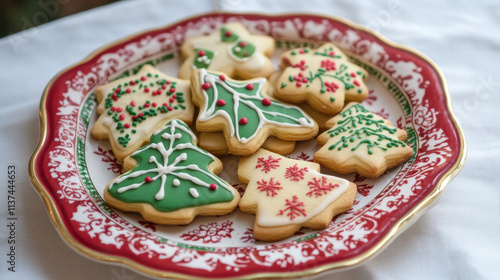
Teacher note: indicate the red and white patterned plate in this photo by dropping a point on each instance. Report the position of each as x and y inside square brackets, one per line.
[70, 168]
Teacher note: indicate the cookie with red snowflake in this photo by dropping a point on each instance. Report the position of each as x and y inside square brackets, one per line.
[287, 194]
[246, 116]
[230, 49]
[322, 77]
[363, 142]
[172, 180]
[132, 108]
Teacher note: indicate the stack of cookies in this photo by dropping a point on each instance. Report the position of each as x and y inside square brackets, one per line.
[244, 108]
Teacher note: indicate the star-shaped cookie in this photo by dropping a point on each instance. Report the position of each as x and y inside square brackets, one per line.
[245, 115]
[230, 49]
[322, 77]
[130, 109]
[363, 142]
[287, 194]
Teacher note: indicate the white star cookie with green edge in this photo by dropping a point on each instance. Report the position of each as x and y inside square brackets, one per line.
[363, 142]
[322, 77]
[229, 49]
[244, 113]
[132, 108]
[287, 194]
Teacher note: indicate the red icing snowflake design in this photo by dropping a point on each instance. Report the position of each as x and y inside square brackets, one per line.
[108, 157]
[295, 173]
[210, 233]
[268, 164]
[248, 236]
[149, 225]
[270, 188]
[320, 187]
[294, 208]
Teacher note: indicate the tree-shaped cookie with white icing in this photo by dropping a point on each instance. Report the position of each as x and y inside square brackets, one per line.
[172, 180]
[322, 77]
[287, 194]
[132, 108]
[230, 49]
[244, 113]
[363, 142]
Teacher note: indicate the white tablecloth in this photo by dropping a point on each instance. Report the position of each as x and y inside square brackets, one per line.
[459, 238]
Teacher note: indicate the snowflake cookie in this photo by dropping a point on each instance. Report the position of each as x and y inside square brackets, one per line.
[132, 108]
[245, 115]
[322, 77]
[363, 142]
[230, 49]
[172, 180]
[287, 194]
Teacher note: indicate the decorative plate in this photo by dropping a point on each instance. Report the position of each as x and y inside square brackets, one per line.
[70, 168]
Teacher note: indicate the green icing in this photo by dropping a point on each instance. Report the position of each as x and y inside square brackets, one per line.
[203, 58]
[242, 101]
[176, 166]
[226, 35]
[243, 49]
[360, 124]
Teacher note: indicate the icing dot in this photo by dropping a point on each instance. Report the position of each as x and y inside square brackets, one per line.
[194, 192]
[353, 74]
[243, 44]
[266, 101]
[213, 186]
[249, 86]
[205, 86]
[227, 33]
[221, 102]
[148, 179]
[243, 121]
[201, 53]
[222, 78]
[176, 182]
[237, 49]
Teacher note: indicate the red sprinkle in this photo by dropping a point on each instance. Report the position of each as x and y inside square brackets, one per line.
[356, 83]
[249, 86]
[222, 78]
[164, 104]
[332, 53]
[243, 44]
[266, 101]
[243, 121]
[117, 90]
[172, 90]
[170, 108]
[201, 53]
[298, 84]
[122, 117]
[113, 108]
[353, 74]
[146, 105]
[245, 54]
[205, 86]
[171, 99]
[146, 89]
[143, 78]
[213, 186]
[227, 33]
[148, 179]
[119, 109]
[127, 125]
[154, 104]
[140, 115]
[132, 83]
[221, 102]
[132, 103]
[164, 86]
[302, 51]
[129, 90]
[167, 82]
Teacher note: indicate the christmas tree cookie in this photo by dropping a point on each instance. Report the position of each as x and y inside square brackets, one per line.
[230, 49]
[322, 77]
[172, 180]
[132, 108]
[215, 143]
[287, 194]
[245, 115]
[360, 141]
